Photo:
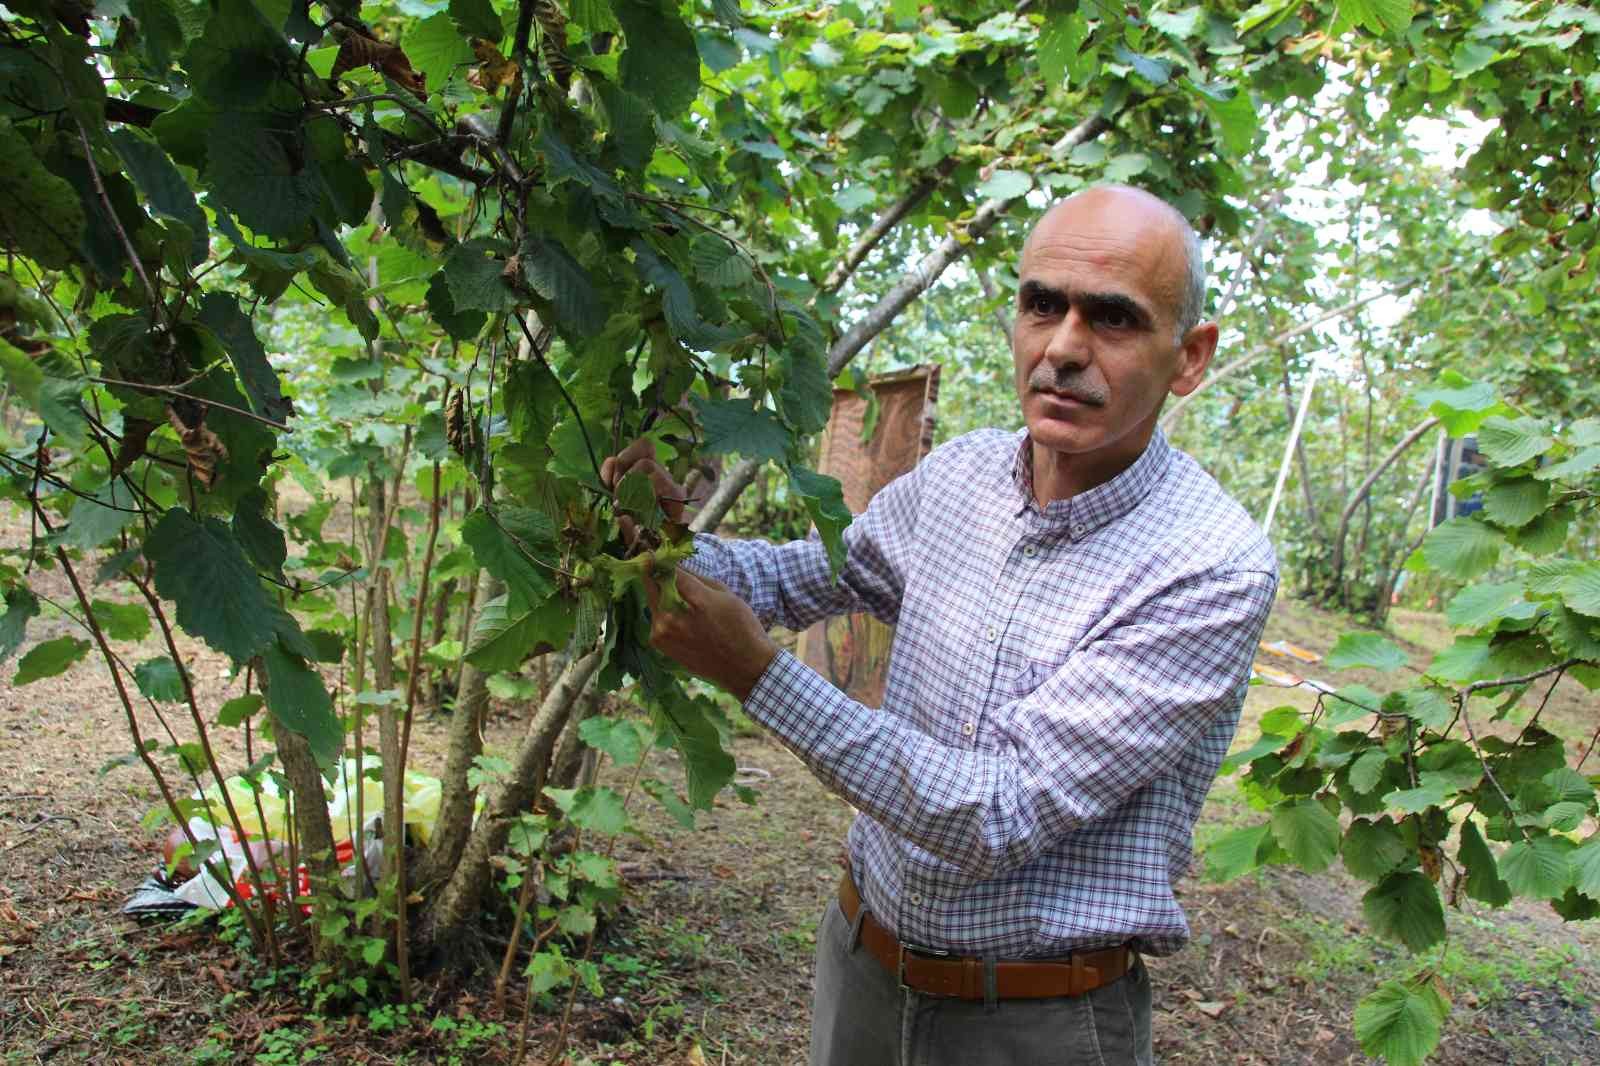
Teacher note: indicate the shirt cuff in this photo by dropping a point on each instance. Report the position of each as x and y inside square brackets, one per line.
[793, 701]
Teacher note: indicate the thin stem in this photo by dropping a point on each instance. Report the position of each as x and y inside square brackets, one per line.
[588, 445]
[116, 223]
[236, 824]
[168, 390]
[110, 657]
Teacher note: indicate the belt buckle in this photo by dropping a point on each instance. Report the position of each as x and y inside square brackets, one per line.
[904, 949]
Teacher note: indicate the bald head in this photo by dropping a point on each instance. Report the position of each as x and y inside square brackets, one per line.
[1136, 209]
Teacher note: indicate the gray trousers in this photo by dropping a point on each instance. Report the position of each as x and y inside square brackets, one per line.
[862, 1017]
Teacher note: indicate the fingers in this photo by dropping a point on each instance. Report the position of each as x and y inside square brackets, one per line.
[620, 465]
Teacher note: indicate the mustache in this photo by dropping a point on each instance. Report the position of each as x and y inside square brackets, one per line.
[1070, 383]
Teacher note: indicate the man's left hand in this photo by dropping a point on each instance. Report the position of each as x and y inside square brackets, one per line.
[713, 634]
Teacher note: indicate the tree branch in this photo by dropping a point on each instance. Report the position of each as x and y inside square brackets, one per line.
[1169, 419]
[912, 284]
[1365, 487]
[887, 221]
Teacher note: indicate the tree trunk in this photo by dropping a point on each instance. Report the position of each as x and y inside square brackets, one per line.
[567, 765]
[1337, 569]
[1390, 570]
[448, 924]
[454, 824]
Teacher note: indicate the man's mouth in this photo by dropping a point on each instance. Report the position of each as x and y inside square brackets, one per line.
[1079, 398]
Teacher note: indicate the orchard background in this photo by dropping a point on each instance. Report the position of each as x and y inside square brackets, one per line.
[318, 319]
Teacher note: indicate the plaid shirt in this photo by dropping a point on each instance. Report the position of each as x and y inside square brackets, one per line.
[1064, 683]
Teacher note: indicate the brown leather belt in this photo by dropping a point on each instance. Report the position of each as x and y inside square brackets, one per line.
[962, 976]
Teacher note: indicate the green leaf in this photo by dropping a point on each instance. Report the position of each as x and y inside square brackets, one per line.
[1179, 24]
[477, 18]
[1581, 590]
[501, 639]
[1483, 881]
[661, 64]
[487, 769]
[1512, 442]
[516, 545]
[1540, 867]
[122, 621]
[1460, 405]
[1236, 120]
[40, 213]
[1371, 650]
[254, 176]
[474, 273]
[165, 189]
[623, 739]
[1005, 185]
[21, 605]
[631, 129]
[1237, 852]
[636, 495]
[1367, 770]
[219, 312]
[1478, 605]
[823, 497]
[239, 709]
[461, 325]
[48, 659]
[1308, 833]
[239, 58]
[1416, 800]
[299, 703]
[1545, 534]
[1466, 660]
[689, 725]
[806, 399]
[1462, 548]
[1572, 467]
[202, 570]
[1373, 850]
[1401, 1021]
[261, 540]
[159, 680]
[1155, 71]
[100, 516]
[680, 811]
[739, 426]
[716, 262]
[438, 51]
[596, 809]
[1516, 503]
[1586, 866]
[1388, 18]
[1405, 907]
[557, 277]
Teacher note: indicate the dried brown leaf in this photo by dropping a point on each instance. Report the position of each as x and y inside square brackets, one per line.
[204, 449]
[388, 59]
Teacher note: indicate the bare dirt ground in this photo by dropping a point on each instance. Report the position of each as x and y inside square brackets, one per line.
[708, 960]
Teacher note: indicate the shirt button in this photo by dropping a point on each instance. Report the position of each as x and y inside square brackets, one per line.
[916, 899]
[1030, 551]
[1079, 530]
[967, 729]
[991, 634]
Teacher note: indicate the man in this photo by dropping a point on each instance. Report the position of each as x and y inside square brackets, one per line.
[1077, 605]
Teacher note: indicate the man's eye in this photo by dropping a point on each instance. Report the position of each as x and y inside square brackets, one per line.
[1116, 318]
[1041, 305]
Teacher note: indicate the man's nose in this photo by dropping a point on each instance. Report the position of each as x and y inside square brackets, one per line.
[1069, 345]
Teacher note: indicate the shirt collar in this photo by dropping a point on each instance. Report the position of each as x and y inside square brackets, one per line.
[1088, 511]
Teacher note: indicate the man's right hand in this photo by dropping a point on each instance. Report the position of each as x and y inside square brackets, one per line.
[640, 457]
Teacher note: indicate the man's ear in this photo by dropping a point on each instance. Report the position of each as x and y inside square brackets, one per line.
[1194, 356]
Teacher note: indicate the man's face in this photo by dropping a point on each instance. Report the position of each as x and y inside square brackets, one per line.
[1095, 342]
